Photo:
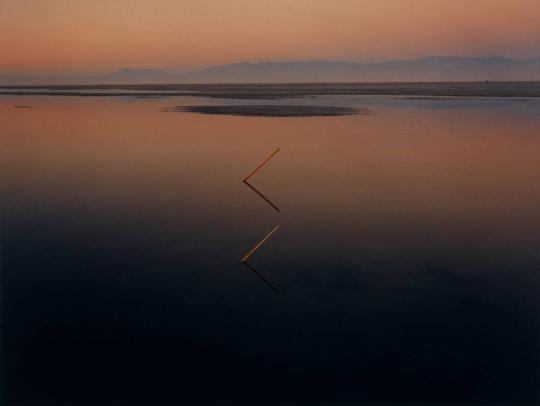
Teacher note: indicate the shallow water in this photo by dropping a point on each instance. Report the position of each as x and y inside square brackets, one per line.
[406, 259]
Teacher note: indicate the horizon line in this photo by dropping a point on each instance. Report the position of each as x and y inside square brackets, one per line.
[258, 62]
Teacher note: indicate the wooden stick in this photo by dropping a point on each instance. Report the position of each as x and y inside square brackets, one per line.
[267, 200]
[261, 165]
[259, 244]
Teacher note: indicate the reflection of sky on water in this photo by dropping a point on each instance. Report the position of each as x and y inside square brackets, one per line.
[406, 259]
[361, 101]
[429, 103]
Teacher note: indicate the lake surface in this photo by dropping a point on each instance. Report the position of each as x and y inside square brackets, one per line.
[406, 260]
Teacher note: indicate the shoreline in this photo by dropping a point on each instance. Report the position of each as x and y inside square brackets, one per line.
[286, 90]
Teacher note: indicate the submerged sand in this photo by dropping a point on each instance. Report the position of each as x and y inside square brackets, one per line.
[271, 110]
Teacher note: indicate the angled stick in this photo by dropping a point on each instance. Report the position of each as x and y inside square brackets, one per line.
[261, 165]
[266, 199]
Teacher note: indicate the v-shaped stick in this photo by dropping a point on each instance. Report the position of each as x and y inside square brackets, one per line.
[246, 180]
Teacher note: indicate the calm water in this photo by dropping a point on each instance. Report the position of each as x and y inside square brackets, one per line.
[407, 256]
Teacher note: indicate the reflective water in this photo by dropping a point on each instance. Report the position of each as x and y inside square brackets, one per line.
[406, 259]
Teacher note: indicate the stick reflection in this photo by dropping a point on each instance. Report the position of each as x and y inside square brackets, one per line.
[261, 277]
[253, 250]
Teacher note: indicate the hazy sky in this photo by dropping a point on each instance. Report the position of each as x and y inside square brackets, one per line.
[53, 36]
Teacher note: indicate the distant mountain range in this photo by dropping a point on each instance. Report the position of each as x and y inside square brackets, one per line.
[430, 69]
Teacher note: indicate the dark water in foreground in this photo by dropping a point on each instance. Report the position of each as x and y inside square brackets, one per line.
[407, 256]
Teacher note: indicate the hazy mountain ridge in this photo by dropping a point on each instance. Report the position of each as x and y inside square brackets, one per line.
[425, 69]
[434, 68]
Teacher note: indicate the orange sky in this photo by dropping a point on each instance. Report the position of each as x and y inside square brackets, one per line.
[53, 36]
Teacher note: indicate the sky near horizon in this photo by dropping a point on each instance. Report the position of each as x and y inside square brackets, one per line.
[77, 36]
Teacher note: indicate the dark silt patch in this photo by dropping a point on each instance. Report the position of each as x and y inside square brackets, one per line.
[269, 110]
[23, 107]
